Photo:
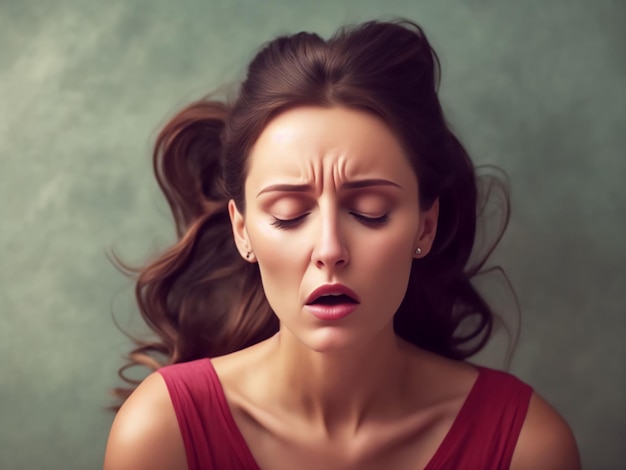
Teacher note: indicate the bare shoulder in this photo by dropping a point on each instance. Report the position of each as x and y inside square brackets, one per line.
[546, 441]
[145, 432]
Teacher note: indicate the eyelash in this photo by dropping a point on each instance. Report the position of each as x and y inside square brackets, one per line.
[287, 223]
[369, 221]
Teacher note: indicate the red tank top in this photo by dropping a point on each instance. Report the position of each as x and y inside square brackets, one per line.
[483, 434]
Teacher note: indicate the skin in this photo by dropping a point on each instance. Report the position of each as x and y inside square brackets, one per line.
[332, 241]
[332, 394]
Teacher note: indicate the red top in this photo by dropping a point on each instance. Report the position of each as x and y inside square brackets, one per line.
[483, 435]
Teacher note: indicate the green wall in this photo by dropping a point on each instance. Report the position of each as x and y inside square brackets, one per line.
[537, 87]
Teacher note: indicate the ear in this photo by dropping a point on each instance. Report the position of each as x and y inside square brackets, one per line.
[427, 230]
[240, 234]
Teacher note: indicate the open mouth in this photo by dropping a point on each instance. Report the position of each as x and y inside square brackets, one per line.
[333, 300]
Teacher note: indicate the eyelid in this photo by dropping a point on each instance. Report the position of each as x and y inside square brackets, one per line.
[287, 204]
[375, 202]
[288, 223]
[370, 215]
[364, 219]
[372, 221]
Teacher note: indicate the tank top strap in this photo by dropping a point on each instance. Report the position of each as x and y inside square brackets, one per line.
[486, 428]
[209, 432]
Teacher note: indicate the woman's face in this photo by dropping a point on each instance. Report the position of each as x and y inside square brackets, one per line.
[332, 202]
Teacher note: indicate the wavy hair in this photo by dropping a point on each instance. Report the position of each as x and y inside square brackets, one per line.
[201, 299]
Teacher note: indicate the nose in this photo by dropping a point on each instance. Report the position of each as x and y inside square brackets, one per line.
[330, 248]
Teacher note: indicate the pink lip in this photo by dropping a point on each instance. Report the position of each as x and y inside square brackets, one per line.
[328, 289]
[331, 312]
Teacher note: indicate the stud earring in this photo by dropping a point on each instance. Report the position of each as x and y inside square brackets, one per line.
[248, 255]
[418, 251]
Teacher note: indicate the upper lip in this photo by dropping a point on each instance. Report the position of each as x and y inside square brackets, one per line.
[331, 289]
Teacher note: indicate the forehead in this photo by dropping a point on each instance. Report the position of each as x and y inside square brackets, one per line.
[311, 144]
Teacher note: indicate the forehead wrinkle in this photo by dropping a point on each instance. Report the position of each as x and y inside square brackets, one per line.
[330, 169]
[341, 170]
[320, 153]
[312, 171]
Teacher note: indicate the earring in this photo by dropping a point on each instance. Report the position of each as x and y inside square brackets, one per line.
[248, 255]
[418, 251]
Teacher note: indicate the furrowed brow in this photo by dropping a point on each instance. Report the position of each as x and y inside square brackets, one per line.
[303, 188]
[369, 182]
[287, 188]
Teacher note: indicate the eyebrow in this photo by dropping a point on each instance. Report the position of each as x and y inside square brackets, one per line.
[302, 188]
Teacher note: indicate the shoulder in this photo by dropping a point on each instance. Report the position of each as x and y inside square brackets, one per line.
[545, 441]
[145, 432]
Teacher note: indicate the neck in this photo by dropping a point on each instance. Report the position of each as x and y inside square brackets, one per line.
[339, 389]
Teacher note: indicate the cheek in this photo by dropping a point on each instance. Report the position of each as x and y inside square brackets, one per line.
[390, 261]
[279, 266]
[275, 250]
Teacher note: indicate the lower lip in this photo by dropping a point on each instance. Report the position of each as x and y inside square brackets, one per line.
[331, 312]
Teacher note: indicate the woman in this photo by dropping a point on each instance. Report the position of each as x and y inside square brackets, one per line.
[325, 220]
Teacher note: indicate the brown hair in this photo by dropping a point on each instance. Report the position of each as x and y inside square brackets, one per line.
[202, 299]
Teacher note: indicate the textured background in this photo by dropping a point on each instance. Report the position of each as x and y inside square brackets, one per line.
[537, 87]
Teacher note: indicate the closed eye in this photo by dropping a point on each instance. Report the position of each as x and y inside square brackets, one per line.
[371, 221]
[288, 223]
